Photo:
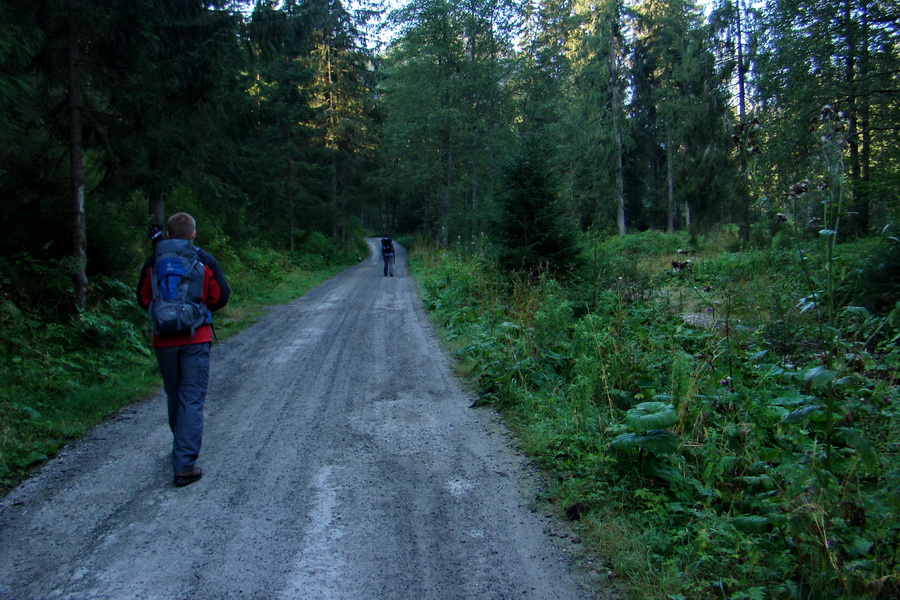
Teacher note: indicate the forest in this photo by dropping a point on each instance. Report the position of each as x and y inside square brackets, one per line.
[661, 236]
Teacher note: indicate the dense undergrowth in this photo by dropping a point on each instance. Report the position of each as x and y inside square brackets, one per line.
[61, 374]
[728, 430]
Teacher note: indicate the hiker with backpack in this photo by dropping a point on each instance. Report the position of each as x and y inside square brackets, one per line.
[387, 253]
[180, 286]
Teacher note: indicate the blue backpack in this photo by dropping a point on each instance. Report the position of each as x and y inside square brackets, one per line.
[177, 306]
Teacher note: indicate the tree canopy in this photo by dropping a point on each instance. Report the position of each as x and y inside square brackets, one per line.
[275, 119]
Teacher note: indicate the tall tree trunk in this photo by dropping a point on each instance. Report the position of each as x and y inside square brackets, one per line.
[740, 62]
[331, 133]
[290, 193]
[670, 181]
[76, 152]
[289, 184]
[158, 207]
[157, 202]
[863, 114]
[742, 112]
[339, 228]
[446, 201]
[446, 75]
[476, 186]
[852, 116]
[617, 114]
[619, 181]
[476, 130]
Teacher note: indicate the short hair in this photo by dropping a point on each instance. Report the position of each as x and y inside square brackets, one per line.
[181, 226]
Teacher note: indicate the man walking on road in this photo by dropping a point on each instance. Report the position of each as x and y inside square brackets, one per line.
[387, 253]
[182, 275]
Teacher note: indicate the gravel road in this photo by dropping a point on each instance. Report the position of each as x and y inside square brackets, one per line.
[341, 461]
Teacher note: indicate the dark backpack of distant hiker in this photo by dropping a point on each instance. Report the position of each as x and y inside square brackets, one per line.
[387, 246]
[177, 306]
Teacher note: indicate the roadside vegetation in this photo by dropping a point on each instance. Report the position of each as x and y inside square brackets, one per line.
[62, 372]
[722, 422]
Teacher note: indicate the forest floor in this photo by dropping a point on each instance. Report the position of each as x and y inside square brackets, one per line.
[341, 460]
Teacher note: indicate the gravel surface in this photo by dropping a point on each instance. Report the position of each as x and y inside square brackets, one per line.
[341, 461]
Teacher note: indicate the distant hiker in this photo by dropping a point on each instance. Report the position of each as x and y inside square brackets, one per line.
[387, 253]
[179, 287]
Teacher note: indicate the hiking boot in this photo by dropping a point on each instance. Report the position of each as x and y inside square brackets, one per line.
[183, 479]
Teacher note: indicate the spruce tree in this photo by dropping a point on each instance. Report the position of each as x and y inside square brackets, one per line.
[535, 230]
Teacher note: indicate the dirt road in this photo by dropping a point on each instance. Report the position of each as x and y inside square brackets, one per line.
[341, 461]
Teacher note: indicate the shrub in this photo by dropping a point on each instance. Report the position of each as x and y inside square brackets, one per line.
[875, 282]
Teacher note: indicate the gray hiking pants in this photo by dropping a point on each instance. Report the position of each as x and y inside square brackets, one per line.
[185, 373]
